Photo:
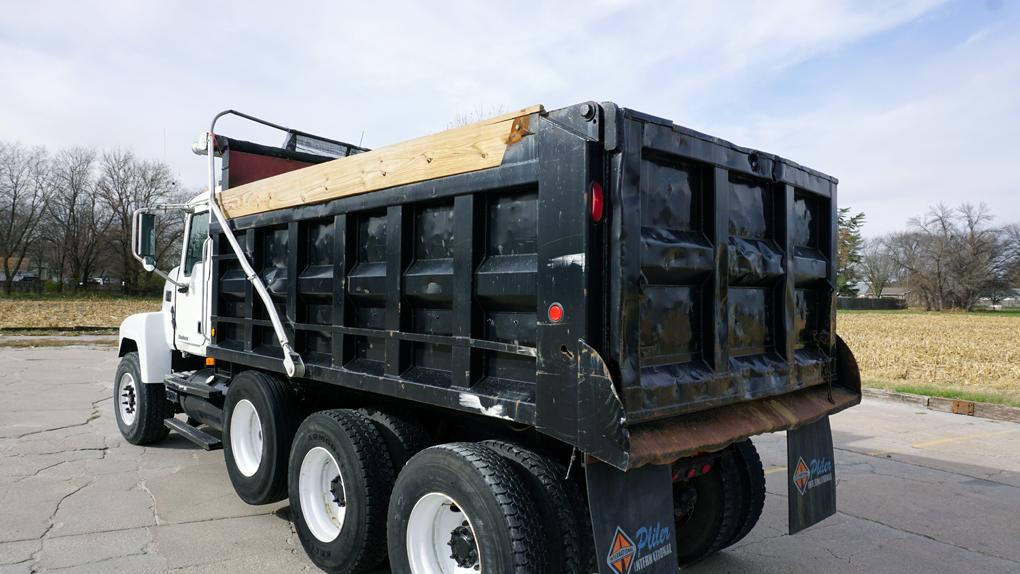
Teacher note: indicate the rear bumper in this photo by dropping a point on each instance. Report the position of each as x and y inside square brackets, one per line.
[604, 432]
[666, 441]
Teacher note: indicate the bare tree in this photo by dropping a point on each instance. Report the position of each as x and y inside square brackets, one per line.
[877, 266]
[23, 195]
[476, 115]
[1011, 254]
[80, 219]
[124, 185]
[951, 257]
[976, 261]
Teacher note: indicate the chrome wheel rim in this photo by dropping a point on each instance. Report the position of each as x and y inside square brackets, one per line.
[246, 437]
[322, 494]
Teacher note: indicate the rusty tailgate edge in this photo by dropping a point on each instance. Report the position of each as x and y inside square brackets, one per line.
[666, 441]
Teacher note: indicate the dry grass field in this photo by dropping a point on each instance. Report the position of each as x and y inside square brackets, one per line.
[67, 313]
[958, 355]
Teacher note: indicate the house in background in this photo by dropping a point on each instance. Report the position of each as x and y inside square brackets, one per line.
[890, 292]
[28, 276]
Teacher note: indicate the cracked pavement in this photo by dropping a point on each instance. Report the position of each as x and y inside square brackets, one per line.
[919, 491]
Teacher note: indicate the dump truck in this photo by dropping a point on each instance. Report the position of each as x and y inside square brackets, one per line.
[537, 343]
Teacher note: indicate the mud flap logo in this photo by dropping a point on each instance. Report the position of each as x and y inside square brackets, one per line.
[807, 476]
[621, 553]
[653, 544]
[801, 476]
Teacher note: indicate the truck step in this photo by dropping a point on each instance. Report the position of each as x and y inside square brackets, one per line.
[182, 382]
[195, 435]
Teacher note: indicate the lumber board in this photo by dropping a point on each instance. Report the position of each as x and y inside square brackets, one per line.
[460, 150]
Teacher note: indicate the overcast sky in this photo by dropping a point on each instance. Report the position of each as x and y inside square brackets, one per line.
[908, 103]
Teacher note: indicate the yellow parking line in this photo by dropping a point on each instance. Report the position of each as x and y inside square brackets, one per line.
[967, 437]
[775, 469]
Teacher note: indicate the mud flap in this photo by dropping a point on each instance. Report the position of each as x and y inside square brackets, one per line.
[811, 474]
[632, 518]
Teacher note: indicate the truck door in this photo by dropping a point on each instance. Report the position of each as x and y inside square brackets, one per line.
[191, 309]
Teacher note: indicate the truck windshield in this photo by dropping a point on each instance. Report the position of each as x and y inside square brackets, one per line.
[196, 237]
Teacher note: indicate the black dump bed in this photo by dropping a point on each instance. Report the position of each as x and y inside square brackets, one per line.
[697, 310]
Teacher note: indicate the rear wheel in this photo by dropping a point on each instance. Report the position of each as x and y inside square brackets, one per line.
[140, 408]
[460, 508]
[340, 481]
[707, 510]
[752, 483]
[404, 436]
[260, 416]
[560, 522]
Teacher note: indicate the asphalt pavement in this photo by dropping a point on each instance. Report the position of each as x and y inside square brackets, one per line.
[918, 491]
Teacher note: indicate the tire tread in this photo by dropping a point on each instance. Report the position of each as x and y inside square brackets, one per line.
[153, 408]
[753, 484]
[377, 476]
[559, 514]
[511, 494]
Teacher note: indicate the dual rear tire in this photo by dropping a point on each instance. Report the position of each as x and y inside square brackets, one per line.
[455, 508]
[717, 509]
[340, 479]
[363, 486]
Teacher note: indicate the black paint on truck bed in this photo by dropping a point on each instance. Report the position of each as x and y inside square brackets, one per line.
[708, 282]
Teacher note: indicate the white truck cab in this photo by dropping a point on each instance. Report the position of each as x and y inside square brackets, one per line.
[181, 325]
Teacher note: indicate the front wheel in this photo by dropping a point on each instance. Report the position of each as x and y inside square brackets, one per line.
[461, 508]
[140, 408]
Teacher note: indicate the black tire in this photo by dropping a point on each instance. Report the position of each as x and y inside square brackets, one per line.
[560, 522]
[579, 502]
[147, 401]
[493, 497]
[710, 523]
[752, 483]
[278, 415]
[404, 436]
[367, 475]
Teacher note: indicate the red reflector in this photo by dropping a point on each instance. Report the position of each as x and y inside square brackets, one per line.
[692, 472]
[598, 202]
[706, 469]
[555, 312]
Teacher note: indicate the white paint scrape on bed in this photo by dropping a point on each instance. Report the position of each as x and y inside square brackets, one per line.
[475, 402]
[568, 260]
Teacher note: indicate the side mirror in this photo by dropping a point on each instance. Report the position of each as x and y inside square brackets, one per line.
[147, 236]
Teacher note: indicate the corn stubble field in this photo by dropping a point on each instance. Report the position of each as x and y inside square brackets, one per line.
[67, 313]
[965, 352]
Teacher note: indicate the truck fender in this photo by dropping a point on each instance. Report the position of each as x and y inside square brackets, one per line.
[146, 334]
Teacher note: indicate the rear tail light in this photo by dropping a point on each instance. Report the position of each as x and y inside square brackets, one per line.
[598, 202]
[555, 312]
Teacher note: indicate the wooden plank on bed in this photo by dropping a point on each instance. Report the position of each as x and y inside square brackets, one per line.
[459, 150]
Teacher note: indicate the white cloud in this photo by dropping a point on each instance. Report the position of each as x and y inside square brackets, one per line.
[123, 73]
[949, 135]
